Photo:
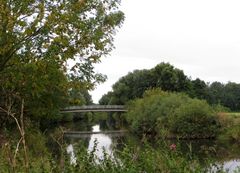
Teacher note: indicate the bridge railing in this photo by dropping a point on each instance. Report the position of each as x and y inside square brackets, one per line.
[95, 108]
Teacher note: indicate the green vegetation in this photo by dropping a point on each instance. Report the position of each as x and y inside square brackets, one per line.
[195, 119]
[169, 78]
[170, 115]
[230, 123]
[133, 85]
[130, 159]
[37, 40]
[47, 52]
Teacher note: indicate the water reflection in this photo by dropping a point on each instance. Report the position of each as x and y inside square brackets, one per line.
[215, 155]
[103, 141]
[231, 166]
[222, 155]
[70, 151]
[100, 143]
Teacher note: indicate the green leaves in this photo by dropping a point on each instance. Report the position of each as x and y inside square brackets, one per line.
[60, 30]
[37, 40]
[134, 84]
[169, 115]
[195, 119]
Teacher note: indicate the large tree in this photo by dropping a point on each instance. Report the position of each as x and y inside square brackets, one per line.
[57, 30]
[134, 84]
[169, 78]
[37, 41]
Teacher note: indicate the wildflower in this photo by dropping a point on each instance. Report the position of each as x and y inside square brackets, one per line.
[173, 147]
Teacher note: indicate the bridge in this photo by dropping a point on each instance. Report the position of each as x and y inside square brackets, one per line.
[94, 108]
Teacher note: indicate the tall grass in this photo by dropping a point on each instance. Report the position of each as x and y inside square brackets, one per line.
[131, 159]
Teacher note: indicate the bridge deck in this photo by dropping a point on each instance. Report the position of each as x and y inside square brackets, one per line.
[95, 108]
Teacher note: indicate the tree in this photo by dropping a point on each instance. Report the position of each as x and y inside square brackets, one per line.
[57, 29]
[80, 97]
[232, 96]
[37, 40]
[134, 84]
[224, 94]
[198, 89]
[105, 99]
[215, 93]
[169, 78]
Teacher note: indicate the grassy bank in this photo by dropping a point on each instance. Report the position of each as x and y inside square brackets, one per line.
[131, 159]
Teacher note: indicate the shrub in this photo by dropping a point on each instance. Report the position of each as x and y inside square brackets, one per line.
[231, 134]
[146, 115]
[194, 119]
[230, 126]
[234, 133]
[168, 114]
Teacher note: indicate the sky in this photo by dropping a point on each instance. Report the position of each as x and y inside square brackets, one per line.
[200, 37]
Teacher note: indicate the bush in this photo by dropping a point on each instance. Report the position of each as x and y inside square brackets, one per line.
[146, 115]
[195, 119]
[233, 133]
[168, 114]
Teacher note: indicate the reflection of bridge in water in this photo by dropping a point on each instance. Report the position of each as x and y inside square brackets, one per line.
[87, 134]
[94, 108]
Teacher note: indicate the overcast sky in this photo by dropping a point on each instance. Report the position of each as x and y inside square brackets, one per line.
[201, 37]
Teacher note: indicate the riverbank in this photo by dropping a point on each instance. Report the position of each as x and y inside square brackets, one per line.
[118, 153]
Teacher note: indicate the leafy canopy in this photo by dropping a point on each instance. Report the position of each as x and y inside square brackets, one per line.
[37, 41]
[58, 30]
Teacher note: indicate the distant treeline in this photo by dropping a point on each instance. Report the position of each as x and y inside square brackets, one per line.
[169, 78]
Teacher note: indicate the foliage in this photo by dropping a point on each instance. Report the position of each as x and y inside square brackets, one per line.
[79, 97]
[198, 89]
[224, 94]
[37, 41]
[107, 99]
[134, 84]
[13, 154]
[130, 160]
[232, 134]
[57, 30]
[143, 113]
[230, 123]
[215, 93]
[194, 119]
[169, 78]
[220, 108]
[171, 114]
[232, 96]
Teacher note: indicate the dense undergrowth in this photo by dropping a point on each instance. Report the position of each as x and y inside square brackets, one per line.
[130, 159]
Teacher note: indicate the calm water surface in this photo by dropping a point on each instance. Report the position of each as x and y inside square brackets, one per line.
[223, 155]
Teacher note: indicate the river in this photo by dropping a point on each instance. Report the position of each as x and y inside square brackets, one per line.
[222, 154]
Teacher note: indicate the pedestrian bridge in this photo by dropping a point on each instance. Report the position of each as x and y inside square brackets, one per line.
[94, 108]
